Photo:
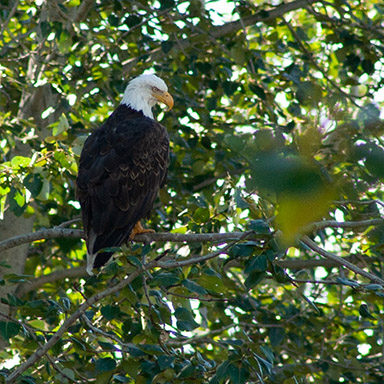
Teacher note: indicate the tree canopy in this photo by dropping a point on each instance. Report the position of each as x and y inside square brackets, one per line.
[267, 264]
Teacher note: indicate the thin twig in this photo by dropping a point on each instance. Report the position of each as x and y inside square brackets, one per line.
[10, 15]
[200, 259]
[316, 65]
[31, 331]
[311, 244]
[343, 224]
[105, 334]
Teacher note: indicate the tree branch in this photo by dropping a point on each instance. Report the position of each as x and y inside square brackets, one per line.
[217, 238]
[228, 28]
[59, 232]
[200, 259]
[107, 335]
[71, 320]
[311, 244]
[314, 263]
[82, 10]
[344, 224]
[33, 285]
[42, 234]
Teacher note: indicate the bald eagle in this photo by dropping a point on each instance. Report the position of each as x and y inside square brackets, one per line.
[122, 167]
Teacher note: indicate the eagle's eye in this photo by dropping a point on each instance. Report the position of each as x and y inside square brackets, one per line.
[155, 89]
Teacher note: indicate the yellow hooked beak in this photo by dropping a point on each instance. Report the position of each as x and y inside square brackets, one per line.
[166, 98]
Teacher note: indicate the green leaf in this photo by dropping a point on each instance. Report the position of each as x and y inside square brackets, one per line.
[9, 329]
[110, 311]
[66, 303]
[194, 287]
[265, 363]
[68, 373]
[45, 28]
[166, 46]
[20, 162]
[237, 373]
[17, 277]
[259, 226]
[113, 20]
[13, 300]
[201, 215]
[17, 201]
[165, 362]
[33, 183]
[165, 279]
[276, 335]
[222, 371]
[241, 250]
[105, 364]
[239, 201]
[230, 87]
[106, 346]
[132, 20]
[122, 379]
[187, 371]
[61, 126]
[257, 264]
[374, 158]
[253, 279]
[232, 342]
[258, 91]
[185, 320]
[364, 312]
[309, 93]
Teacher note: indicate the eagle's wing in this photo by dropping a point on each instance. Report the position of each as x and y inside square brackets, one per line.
[122, 166]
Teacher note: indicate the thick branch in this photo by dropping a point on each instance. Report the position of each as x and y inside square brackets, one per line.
[217, 238]
[83, 10]
[42, 234]
[58, 232]
[33, 285]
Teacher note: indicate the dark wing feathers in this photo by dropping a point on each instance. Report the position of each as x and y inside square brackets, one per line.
[122, 167]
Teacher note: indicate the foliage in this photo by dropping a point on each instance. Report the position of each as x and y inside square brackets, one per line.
[277, 125]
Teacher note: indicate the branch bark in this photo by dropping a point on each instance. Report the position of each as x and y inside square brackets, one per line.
[218, 238]
[59, 232]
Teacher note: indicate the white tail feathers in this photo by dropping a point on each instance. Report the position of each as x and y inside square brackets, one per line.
[90, 262]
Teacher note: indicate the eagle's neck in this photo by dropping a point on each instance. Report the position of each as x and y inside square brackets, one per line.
[138, 101]
[124, 111]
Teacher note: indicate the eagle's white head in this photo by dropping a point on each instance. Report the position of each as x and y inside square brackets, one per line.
[144, 91]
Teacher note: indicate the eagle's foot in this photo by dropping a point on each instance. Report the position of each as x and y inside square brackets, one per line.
[137, 229]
